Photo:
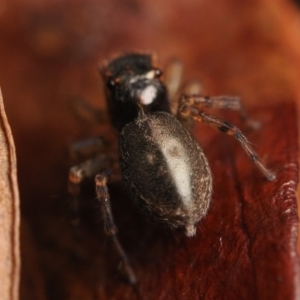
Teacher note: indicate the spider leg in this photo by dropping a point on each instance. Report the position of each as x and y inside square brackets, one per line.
[191, 88]
[77, 174]
[173, 81]
[219, 102]
[172, 78]
[86, 112]
[230, 129]
[88, 169]
[86, 148]
[109, 224]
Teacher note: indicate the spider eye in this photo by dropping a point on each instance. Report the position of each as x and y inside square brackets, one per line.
[111, 83]
[158, 73]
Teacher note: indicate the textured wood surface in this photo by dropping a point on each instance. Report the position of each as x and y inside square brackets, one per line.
[246, 247]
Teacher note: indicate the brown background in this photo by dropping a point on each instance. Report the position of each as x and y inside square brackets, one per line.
[245, 248]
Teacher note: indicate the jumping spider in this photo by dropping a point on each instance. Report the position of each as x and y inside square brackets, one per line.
[163, 168]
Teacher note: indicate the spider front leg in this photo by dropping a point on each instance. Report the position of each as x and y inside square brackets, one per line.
[230, 129]
[87, 148]
[219, 102]
[88, 169]
[86, 112]
[109, 224]
[77, 174]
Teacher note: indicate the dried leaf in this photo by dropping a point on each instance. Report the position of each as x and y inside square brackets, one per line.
[9, 213]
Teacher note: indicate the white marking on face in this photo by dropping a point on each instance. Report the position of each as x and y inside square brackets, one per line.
[150, 75]
[148, 94]
[177, 159]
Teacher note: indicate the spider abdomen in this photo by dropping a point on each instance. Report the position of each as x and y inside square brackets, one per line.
[165, 171]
